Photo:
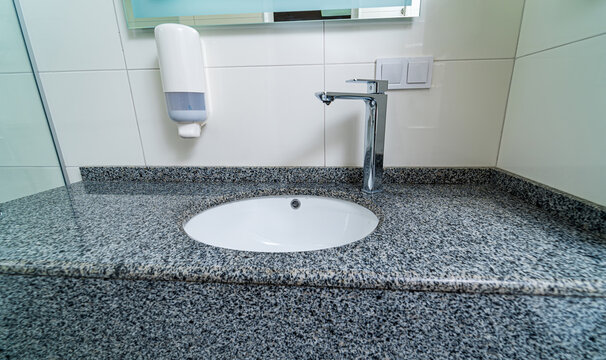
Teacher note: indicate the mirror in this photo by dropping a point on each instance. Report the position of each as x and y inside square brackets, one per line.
[142, 14]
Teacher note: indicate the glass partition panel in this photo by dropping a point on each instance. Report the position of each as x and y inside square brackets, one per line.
[28, 160]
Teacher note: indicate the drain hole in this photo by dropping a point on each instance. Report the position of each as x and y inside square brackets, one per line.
[295, 204]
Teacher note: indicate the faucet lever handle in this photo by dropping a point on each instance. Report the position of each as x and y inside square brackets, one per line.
[374, 86]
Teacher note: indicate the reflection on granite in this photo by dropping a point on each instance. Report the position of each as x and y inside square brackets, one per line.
[67, 318]
[470, 238]
[575, 211]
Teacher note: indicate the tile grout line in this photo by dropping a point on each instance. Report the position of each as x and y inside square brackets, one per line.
[132, 99]
[263, 66]
[32, 166]
[324, 64]
[513, 68]
[435, 60]
[15, 72]
[561, 45]
[486, 59]
[338, 63]
[80, 71]
[130, 87]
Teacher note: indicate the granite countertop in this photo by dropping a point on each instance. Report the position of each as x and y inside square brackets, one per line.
[448, 238]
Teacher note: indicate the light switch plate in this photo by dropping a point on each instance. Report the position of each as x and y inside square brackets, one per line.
[405, 73]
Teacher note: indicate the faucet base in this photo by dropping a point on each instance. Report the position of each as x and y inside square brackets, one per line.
[370, 192]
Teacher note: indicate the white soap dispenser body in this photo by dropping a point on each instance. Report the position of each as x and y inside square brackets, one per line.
[181, 63]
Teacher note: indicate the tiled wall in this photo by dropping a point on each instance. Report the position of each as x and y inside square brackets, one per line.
[555, 130]
[28, 162]
[105, 94]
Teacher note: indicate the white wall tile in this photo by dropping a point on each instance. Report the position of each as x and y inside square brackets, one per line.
[25, 139]
[94, 117]
[139, 45]
[271, 44]
[17, 182]
[446, 29]
[261, 116]
[549, 23]
[555, 129]
[237, 45]
[73, 34]
[455, 123]
[13, 55]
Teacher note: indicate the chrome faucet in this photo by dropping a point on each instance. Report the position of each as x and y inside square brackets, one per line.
[374, 139]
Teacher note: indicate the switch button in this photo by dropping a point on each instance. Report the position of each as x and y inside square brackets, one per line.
[417, 72]
[392, 73]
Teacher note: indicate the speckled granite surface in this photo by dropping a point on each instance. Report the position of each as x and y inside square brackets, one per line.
[469, 238]
[285, 175]
[62, 318]
[573, 210]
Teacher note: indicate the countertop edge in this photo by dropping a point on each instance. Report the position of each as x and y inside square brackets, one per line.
[330, 279]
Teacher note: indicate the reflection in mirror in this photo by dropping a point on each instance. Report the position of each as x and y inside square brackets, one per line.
[141, 14]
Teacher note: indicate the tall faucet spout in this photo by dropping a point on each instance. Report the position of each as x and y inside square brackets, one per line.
[374, 139]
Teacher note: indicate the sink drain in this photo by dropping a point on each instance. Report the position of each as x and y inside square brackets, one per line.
[295, 204]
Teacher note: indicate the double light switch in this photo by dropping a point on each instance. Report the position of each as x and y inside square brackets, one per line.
[405, 73]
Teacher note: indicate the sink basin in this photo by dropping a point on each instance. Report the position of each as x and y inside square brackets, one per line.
[282, 224]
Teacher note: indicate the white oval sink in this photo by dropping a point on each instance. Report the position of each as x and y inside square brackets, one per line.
[276, 224]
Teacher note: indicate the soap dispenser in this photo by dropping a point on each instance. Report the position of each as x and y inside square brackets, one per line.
[183, 79]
